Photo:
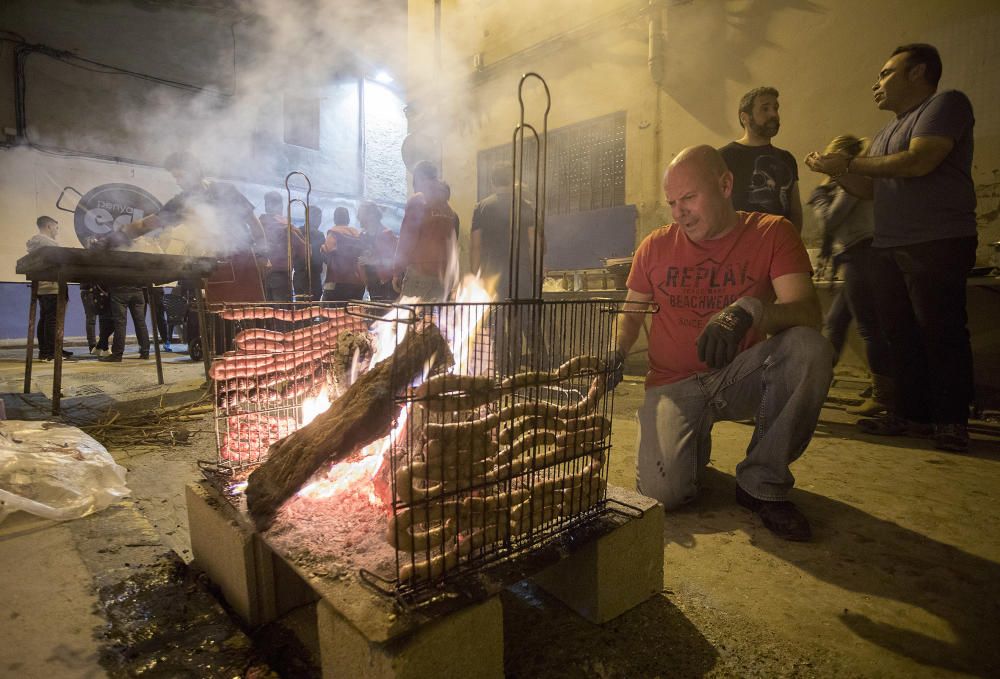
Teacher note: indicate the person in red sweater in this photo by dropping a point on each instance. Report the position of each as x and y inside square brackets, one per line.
[736, 336]
[426, 264]
[340, 252]
[378, 249]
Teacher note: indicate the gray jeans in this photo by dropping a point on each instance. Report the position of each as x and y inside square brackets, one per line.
[782, 382]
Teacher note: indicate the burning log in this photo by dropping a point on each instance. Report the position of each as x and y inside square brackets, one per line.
[362, 415]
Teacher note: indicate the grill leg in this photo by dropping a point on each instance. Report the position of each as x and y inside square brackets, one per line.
[199, 299]
[32, 313]
[151, 299]
[57, 352]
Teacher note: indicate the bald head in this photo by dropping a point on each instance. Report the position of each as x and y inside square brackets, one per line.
[703, 159]
[698, 187]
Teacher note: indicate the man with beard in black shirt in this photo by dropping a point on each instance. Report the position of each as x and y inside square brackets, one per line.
[765, 178]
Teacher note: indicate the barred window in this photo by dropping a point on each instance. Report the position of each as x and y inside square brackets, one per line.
[586, 165]
[302, 121]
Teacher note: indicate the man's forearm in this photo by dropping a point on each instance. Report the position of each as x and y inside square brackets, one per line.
[474, 254]
[630, 320]
[135, 230]
[795, 207]
[778, 317]
[628, 331]
[903, 164]
[857, 186]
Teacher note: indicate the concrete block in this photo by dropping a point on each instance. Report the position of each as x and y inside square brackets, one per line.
[467, 643]
[616, 572]
[258, 585]
[223, 549]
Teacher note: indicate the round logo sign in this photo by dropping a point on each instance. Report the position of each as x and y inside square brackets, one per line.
[109, 207]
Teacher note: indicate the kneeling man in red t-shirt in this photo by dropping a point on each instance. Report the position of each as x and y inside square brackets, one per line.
[736, 336]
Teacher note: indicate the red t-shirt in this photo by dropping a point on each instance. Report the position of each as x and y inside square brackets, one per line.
[342, 249]
[428, 236]
[692, 282]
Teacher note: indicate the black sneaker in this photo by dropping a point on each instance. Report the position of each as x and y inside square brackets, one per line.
[144, 356]
[951, 437]
[781, 517]
[110, 359]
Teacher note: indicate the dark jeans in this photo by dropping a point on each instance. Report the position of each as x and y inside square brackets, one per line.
[344, 292]
[301, 282]
[132, 300]
[381, 292]
[106, 328]
[90, 315]
[161, 315]
[920, 296]
[47, 326]
[276, 287]
[856, 299]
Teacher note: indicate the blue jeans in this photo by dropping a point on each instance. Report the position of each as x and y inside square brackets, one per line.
[857, 300]
[782, 382]
[921, 299]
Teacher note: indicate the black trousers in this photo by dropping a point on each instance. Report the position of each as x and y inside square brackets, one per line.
[161, 315]
[920, 295]
[856, 300]
[344, 292]
[106, 328]
[90, 314]
[276, 287]
[46, 326]
[131, 300]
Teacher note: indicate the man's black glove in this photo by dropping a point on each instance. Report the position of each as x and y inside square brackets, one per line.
[719, 342]
[615, 368]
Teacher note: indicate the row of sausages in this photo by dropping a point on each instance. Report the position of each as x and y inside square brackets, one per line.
[446, 532]
[261, 352]
[451, 466]
[458, 456]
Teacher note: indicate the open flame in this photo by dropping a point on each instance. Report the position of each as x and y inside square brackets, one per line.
[314, 405]
[470, 291]
[358, 475]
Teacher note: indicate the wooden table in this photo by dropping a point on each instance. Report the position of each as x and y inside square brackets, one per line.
[107, 267]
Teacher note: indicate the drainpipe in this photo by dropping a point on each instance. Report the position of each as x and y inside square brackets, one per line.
[437, 80]
[437, 38]
[656, 41]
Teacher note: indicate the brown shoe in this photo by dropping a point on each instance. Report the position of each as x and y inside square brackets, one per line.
[877, 397]
[868, 408]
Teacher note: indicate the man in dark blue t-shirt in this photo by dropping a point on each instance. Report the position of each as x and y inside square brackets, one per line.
[765, 178]
[919, 171]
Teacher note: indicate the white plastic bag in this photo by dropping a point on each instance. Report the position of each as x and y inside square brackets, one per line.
[55, 471]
